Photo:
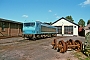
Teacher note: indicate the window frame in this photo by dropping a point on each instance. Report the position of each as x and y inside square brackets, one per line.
[3, 27]
[59, 29]
[68, 29]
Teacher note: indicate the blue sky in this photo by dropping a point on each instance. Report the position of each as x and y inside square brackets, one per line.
[44, 10]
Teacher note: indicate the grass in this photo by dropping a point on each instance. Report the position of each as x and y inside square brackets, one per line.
[81, 56]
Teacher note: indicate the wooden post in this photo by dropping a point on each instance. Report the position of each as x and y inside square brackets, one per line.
[18, 30]
[9, 31]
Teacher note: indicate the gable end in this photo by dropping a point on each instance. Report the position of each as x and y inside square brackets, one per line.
[66, 20]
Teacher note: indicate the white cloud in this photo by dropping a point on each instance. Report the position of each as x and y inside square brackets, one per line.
[50, 11]
[37, 20]
[55, 14]
[25, 16]
[87, 2]
[57, 17]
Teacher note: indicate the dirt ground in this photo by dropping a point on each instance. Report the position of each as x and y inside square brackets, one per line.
[19, 49]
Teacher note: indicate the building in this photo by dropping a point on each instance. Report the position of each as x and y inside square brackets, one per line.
[66, 27]
[87, 29]
[10, 28]
[81, 31]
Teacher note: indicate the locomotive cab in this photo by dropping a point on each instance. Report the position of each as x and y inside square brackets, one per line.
[28, 29]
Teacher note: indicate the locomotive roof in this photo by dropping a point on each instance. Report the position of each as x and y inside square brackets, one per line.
[48, 25]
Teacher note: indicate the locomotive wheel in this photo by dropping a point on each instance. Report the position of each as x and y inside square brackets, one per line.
[70, 42]
[61, 46]
[54, 44]
[73, 43]
[66, 46]
[79, 43]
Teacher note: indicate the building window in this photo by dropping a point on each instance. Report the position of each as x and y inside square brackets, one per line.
[74, 26]
[59, 29]
[3, 26]
[68, 29]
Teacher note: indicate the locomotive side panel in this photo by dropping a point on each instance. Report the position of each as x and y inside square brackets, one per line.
[48, 30]
[38, 28]
[45, 29]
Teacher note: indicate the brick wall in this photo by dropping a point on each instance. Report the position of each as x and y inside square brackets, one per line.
[13, 29]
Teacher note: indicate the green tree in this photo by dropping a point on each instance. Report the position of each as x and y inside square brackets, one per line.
[81, 22]
[50, 23]
[88, 22]
[69, 18]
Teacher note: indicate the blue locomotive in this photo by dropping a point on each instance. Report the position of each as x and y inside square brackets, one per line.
[38, 29]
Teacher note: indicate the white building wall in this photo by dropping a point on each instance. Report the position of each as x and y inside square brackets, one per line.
[75, 30]
[86, 31]
[63, 23]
